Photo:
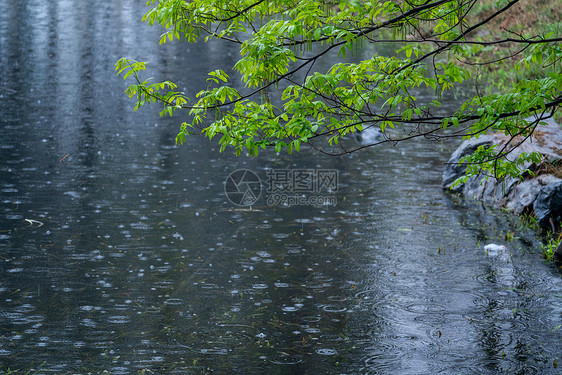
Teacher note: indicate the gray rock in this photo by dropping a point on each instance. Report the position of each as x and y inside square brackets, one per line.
[454, 168]
[521, 199]
[542, 194]
[548, 205]
[369, 136]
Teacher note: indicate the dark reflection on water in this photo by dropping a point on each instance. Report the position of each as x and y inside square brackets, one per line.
[132, 258]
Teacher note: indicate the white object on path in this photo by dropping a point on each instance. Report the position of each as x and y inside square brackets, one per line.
[494, 250]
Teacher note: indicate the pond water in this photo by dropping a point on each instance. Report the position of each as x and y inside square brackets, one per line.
[120, 251]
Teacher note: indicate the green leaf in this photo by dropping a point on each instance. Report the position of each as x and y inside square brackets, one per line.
[317, 34]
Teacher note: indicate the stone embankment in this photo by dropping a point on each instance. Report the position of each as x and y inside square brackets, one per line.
[539, 195]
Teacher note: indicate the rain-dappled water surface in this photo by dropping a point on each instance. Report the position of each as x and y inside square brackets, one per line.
[121, 252]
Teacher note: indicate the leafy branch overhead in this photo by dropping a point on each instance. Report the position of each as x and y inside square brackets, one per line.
[285, 99]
